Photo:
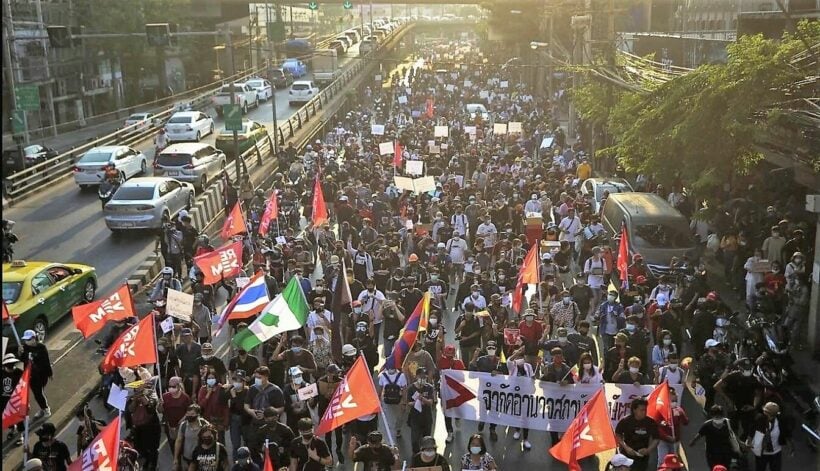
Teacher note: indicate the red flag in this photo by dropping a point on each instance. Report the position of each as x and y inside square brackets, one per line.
[103, 451]
[234, 223]
[397, 154]
[224, 262]
[268, 461]
[90, 318]
[17, 408]
[430, 108]
[355, 397]
[660, 406]
[589, 433]
[135, 346]
[623, 257]
[527, 275]
[319, 215]
[271, 213]
[6, 314]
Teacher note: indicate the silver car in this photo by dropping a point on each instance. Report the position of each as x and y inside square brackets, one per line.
[147, 203]
[91, 167]
[593, 189]
[193, 162]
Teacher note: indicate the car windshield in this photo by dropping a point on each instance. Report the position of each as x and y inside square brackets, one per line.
[255, 83]
[131, 193]
[11, 291]
[662, 236]
[137, 117]
[611, 188]
[277, 73]
[174, 160]
[31, 150]
[95, 157]
[180, 120]
[245, 129]
[300, 86]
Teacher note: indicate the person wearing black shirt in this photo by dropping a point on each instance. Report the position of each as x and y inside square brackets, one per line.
[307, 452]
[52, 452]
[468, 332]
[583, 342]
[391, 325]
[717, 433]
[278, 435]
[742, 390]
[213, 362]
[209, 454]
[236, 397]
[428, 457]
[243, 361]
[11, 376]
[35, 354]
[263, 394]
[637, 435]
[374, 454]
[421, 398]
[188, 352]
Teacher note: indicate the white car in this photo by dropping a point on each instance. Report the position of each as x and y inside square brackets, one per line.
[593, 189]
[302, 91]
[90, 169]
[263, 88]
[477, 109]
[139, 122]
[147, 203]
[188, 126]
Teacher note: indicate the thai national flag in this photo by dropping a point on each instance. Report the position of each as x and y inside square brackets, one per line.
[250, 300]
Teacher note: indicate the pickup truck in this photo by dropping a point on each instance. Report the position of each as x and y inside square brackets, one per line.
[246, 97]
[325, 66]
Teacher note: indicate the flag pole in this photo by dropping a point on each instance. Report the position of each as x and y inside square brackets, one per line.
[156, 352]
[381, 411]
[14, 330]
[25, 438]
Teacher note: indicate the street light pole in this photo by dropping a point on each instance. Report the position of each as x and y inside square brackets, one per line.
[277, 18]
[229, 51]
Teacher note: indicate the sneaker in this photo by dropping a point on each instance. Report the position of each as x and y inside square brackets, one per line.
[493, 436]
[516, 435]
[19, 441]
[42, 413]
[527, 445]
[449, 437]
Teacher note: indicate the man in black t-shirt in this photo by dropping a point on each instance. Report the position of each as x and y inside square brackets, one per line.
[741, 388]
[637, 435]
[243, 361]
[468, 332]
[52, 452]
[375, 455]
[308, 453]
[263, 394]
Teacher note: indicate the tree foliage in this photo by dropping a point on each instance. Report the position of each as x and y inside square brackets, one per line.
[702, 125]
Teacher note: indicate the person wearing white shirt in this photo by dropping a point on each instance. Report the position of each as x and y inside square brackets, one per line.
[319, 317]
[460, 222]
[770, 436]
[372, 302]
[476, 298]
[488, 232]
[533, 205]
[569, 227]
[457, 250]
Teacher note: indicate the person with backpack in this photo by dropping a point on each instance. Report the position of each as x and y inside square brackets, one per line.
[260, 396]
[456, 249]
[393, 384]
[448, 361]
[188, 437]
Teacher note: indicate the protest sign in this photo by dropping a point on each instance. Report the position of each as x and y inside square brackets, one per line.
[179, 305]
[414, 167]
[500, 128]
[386, 148]
[441, 131]
[377, 129]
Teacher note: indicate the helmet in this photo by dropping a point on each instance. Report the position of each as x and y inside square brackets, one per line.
[260, 192]
[309, 147]
[348, 350]
[167, 271]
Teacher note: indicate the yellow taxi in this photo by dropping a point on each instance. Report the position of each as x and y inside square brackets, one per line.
[38, 294]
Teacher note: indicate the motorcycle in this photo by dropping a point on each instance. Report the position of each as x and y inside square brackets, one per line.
[106, 190]
[812, 427]
[9, 239]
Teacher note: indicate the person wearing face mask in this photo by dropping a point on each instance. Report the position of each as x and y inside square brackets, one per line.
[671, 372]
[319, 317]
[611, 319]
[794, 269]
[429, 457]
[772, 248]
[173, 405]
[637, 435]
[662, 350]
[476, 298]
[638, 340]
[583, 342]
[35, 355]
[236, 393]
[564, 313]
[320, 291]
[771, 436]
[374, 455]
[742, 392]
[753, 276]
[456, 248]
[569, 352]
[615, 356]
[243, 361]
[243, 462]
[296, 355]
[477, 458]
[421, 399]
[145, 424]
[187, 437]
[434, 335]
[209, 454]
[202, 318]
[518, 366]
[468, 332]
[295, 408]
[189, 353]
[588, 373]
[213, 400]
[263, 394]
[629, 372]
[272, 432]
[52, 452]
[719, 438]
[437, 287]
[669, 434]
[212, 362]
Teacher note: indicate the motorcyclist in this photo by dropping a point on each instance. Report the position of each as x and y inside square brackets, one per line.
[166, 282]
[9, 239]
[109, 185]
[160, 142]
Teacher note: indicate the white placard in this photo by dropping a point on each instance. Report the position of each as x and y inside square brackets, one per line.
[377, 129]
[470, 129]
[117, 397]
[281, 240]
[425, 184]
[309, 391]
[500, 128]
[242, 281]
[444, 146]
[167, 325]
[476, 74]
[5, 344]
[454, 75]
[484, 94]
[514, 127]
[378, 78]
[408, 91]
[441, 131]
[504, 84]
[468, 83]
[451, 88]
[386, 148]
[434, 149]
[414, 167]
[404, 183]
[403, 100]
[459, 180]
[179, 305]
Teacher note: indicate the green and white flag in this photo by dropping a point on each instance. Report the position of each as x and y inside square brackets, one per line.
[288, 311]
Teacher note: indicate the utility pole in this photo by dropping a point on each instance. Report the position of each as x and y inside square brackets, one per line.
[580, 26]
[229, 52]
[10, 67]
[271, 63]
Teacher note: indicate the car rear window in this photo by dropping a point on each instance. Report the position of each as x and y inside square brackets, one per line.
[227, 90]
[132, 193]
[137, 117]
[255, 83]
[95, 157]
[174, 160]
[664, 235]
[300, 86]
[11, 291]
[180, 120]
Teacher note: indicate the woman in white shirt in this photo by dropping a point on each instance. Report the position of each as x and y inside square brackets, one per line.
[587, 372]
[769, 439]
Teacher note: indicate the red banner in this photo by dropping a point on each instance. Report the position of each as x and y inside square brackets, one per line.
[17, 408]
[319, 215]
[590, 433]
[234, 223]
[224, 262]
[355, 397]
[271, 213]
[90, 318]
[102, 453]
[135, 346]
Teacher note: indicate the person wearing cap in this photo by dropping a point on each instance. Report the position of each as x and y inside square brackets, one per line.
[564, 313]
[213, 362]
[34, 464]
[709, 369]
[201, 317]
[372, 301]
[488, 232]
[145, 423]
[421, 400]
[595, 270]
[428, 456]
[296, 408]
[320, 316]
[35, 355]
[742, 391]
[11, 376]
[373, 454]
[610, 318]
[53, 453]
[296, 355]
[637, 435]
[242, 460]
[243, 361]
[475, 297]
[771, 436]
[717, 431]
[173, 405]
[620, 462]
[415, 269]
[456, 249]
[189, 352]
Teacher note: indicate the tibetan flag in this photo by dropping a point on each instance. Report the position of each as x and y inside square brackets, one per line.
[271, 213]
[224, 262]
[288, 311]
[354, 397]
[589, 433]
[623, 257]
[319, 214]
[250, 300]
[90, 318]
[135, 346]
[528, 275]
[103, 451]
[17, 408]
[398, 150]
[234, 223]
[659, 405]
[407, 337]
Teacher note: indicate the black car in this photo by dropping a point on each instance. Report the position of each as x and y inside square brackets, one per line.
[280, 78]
[32, 155]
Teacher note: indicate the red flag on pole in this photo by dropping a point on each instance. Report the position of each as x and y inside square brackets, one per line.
[589, 433]
[90, 318]
[103, 451]
[268, 460]
[234, 223]
[6, 314]
[527, 275]
[355, 397]
[319, 215]
[659, 405]
[17, 408]
[623, 257]
[224, 262]
[271, 213]
[135, 346]
[397, 154]
[430, 112]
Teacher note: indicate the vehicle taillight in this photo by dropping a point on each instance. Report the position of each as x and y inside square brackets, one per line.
[189, 128]
[144, 207]
[188, 167]
[77, 169]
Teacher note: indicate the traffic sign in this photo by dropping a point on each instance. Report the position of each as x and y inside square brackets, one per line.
[28, 97]
[313, 5]
[233, 117]
[18, 122]
[347, 4]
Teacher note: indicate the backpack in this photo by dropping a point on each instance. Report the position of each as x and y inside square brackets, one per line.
[392, 390]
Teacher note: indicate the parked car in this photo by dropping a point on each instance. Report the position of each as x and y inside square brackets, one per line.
[280, 78]
[296, 67]
[263, 88]
[139, 122]
[38, 294]
[477, 109]
[147, 203]
[251, 133]
[593, 189]
[244, 95]
[193, 162]
[337, 46]
[91, 167]
[353, 35]
[36, 153]
[302, 91]
[189, 126]
[345, 40]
